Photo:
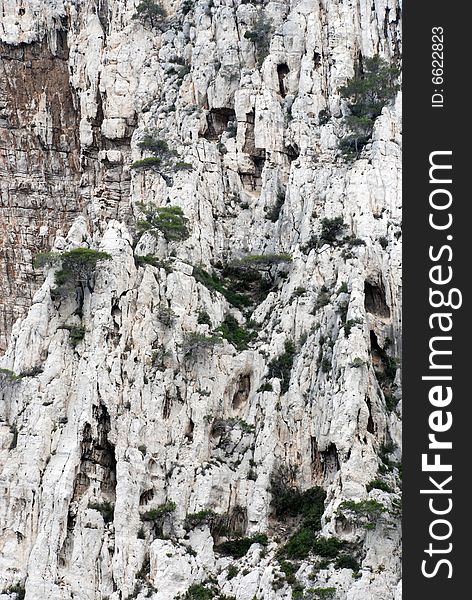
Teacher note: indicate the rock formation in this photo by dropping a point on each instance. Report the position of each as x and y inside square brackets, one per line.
[163, 422]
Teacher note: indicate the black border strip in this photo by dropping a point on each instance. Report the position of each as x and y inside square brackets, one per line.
[432, 124]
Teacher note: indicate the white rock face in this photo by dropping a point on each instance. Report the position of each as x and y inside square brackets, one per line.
[111, 439]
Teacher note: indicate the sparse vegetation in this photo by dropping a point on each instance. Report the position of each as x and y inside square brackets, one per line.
[365, 512]
[150, 162]
[165, 315]
[331, 229]
[232, 331]
[239, 547]
[150, 12]
[281, 366]
[168, 220]
[18, 589]
[324, 116]
[322, 298]
[76, 333]
[158, 512]
[206, 516]
[232, 572]
[9, 376]
[320, 593]
[195, 342]
[215, 283]
[348, 325]
[77, 266]
[203, 318]
[288, 502]
[379, 484]
[246, 281]
[149, 259]
[371, 88]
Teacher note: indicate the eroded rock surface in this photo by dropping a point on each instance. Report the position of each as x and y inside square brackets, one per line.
[118, 424]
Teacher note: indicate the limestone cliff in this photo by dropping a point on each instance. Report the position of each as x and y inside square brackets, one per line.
[143, 446]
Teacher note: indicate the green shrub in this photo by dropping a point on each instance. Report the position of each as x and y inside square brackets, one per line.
[76, 334]
[232, 572]
[8, 375]
[305, 540]
[326, 365]
[288, 501]
[322, 298]
[321, 593]
[169, 220]
[379, 484]
[160, 511]
[383, 241]
[77, 266]
[150, 162]
[364, 512]
[195, 342]
[183, 166]
[266, 387]
[150, 12]
[239, 547]
[155, 145]
[234, 333]
[346, 561]
[289, 570]
[367, 93]
[165, 315]
[198, 591]
[262, 262]
[215, 283]
[206, 516]
[105, 508]
[18, 589]
[281, 366]
[331, 229]
[203, 318]
[149, 259]
[348, 325]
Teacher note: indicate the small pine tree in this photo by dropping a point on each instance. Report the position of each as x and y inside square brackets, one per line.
[150, 12]
[169, 220]
[77, 266]
[367, 93]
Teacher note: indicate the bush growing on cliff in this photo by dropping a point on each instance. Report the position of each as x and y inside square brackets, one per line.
[77, 266]
[159, 512]
[365, 513]
[232, 331]
[168, 220]
[367, 93]
[239, 547]
[281, 366]
[150, 12]
[18, 589]
[194, 343]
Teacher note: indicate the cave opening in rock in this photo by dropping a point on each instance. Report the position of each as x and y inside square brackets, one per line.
[282, 72]
[219, 121]
[375, 302]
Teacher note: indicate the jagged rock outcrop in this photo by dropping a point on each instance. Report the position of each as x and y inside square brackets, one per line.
[136, 439]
